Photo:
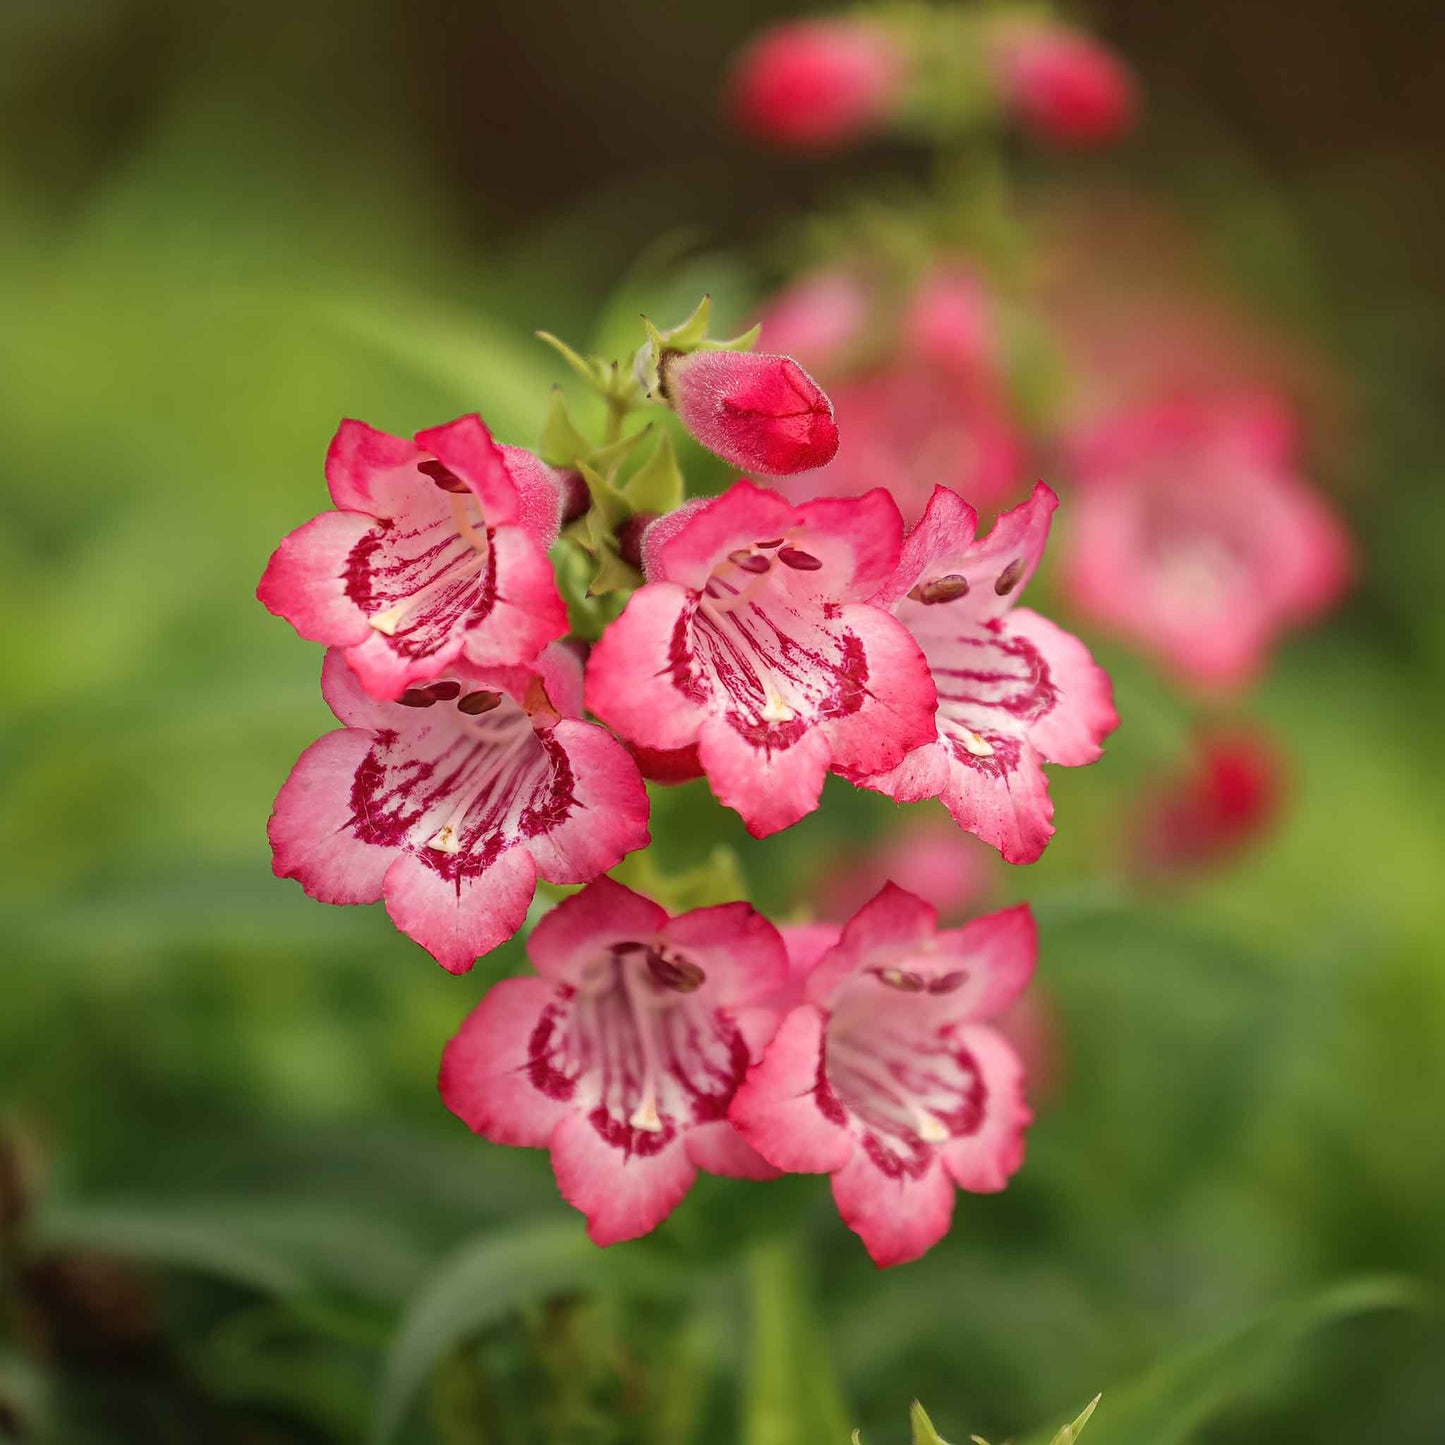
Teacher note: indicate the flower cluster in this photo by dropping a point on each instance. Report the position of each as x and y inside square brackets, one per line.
[497, 723]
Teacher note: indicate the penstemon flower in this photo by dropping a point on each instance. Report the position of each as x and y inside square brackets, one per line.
[754, 642]
[1014, 690]
[437, 552]
[1199, 503]
[888, 1074]
[451, 801]
[624, 1053]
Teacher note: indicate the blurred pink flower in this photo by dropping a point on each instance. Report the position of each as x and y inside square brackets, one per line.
[1064, 87]
[1228, 795]
[927, 856]
[754, 641]
[436, 553]
[451, 801]
[760, 412]
[816, 85]
[1014, 690]
[622, 1055]
[1195, 535]
[919, 397]
[889, 1075]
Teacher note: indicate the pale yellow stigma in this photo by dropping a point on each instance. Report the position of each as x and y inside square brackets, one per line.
[930, 1129]
[387, 622]
[445, 840]
[776, 709]
[645, 1117]
[979, 747]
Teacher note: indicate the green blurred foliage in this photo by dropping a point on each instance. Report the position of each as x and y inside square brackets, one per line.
[249, 1217]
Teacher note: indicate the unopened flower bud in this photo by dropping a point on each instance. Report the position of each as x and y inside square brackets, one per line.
[760, 412]
[1063, 86]
[816, 85]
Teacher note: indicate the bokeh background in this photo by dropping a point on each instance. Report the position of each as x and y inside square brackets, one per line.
[232, 1207]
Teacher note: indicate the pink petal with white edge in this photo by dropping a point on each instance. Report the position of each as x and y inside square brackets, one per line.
[622, 1195]
[988, 962]
[770, 790]
[898, 1217]
[740, 951]
[312, 839]
[693, 545]
[893, 923]
[984, 1161]
[1002, 799]
[719, 1149]
[466, 447]
[785, 1108]
[528, 611]
[305, 584]
[361, 465]
[459, 919]
[573, 933]
[492, 1077]
[1070, 733]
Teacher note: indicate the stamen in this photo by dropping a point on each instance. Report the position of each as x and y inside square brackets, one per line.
[904, 980]
[754, 564]
[798, 560]
[443, 691]
[929, 1127]
[941, 589]
[980, 747]
[645, 1115]
[948, 982]
[390, 619]
[769, 545]
[1008, 579]
[417, 697]
[474, 704]
[477, 541]
[681, 975]
[444, 477]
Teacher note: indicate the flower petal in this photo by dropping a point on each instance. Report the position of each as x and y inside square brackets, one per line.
[892, 924]
[1070, 733]
[490, 1076]
[898, 1216]
[719, 1149]
[362, 466]
[581, 927]
[465, 447]
[785, 1108]
[305, 580]
[996, 955]
[984, 1161]
[623, 1194]
[742, 953]
[770, 789]
[459, 918]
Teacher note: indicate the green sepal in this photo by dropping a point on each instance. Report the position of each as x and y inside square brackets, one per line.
[612, 574]
[561, 444]
[718, 879]
[609, 508]
[589, 368]
[657, 485]
[1070, 1433]
[923, 1431]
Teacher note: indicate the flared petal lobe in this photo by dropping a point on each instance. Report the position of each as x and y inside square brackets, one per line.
[438, 552]
[451, 801]
[891, 1077]
[1014, 691]
[624, 1055]
[753, 645]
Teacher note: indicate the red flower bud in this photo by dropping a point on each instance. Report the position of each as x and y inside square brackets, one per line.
[762, 413]
[816, 84]
[1064, 87]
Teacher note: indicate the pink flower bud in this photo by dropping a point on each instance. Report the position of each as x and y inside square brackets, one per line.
[1064, 87]
[815, 84]
[762, 413]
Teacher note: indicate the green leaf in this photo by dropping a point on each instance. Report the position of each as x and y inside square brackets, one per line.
[657, 485]
[1169, 1403]
[171, 1239]
[480, 1285]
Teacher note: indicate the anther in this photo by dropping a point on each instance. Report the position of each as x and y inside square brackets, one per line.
[948, 982]
[476, 703]
[902, 979]
[679, 974]
[443, 691]
[941, 589]
[751, 562]
[798, 560]
[444, 477]
[416, 697]
[768, 546]
[1008, 579]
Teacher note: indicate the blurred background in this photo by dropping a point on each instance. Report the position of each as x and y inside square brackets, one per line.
[232, 1207]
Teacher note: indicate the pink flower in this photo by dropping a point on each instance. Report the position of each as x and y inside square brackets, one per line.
[753, 639]
[926, 855]
[1064, 87]
[931, 407]
[1014, 690]
[623, 1056]
[451, 801]
[1229, 795]
[762, 413]
[1196, 536]
[437, 553]
[816, 85]
[889, 1077]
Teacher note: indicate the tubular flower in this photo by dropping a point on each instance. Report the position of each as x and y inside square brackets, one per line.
[437, 552]
[889, 1076]
[623, 1055]
[753, 640]
[451, 801]
[760, 412]
[1014, 690]
[1064, 87]
[932, 408]
[1196, 536]
[816, 85]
